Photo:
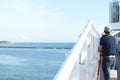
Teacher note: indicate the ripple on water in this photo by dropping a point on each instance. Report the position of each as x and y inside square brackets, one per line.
[11, 60]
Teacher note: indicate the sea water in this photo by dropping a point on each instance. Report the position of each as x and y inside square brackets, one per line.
[23, 63]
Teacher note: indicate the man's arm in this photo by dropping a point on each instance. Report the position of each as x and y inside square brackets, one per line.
[100, 48]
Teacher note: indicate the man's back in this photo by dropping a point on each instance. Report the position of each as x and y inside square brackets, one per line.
[109, 45]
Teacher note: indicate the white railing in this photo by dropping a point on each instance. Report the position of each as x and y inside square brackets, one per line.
[82, 62]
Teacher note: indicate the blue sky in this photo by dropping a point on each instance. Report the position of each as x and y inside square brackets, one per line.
[50, 20]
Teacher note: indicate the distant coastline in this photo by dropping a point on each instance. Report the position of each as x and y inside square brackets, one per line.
[6, 44]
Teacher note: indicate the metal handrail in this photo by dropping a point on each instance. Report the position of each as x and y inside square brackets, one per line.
[81, 57]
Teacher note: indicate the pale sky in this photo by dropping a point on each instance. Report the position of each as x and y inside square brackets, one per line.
[50, 20]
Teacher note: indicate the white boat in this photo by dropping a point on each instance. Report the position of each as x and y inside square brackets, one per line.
[82, 62]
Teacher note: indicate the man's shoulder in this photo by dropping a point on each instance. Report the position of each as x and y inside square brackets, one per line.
[107, 36]
[103, 36]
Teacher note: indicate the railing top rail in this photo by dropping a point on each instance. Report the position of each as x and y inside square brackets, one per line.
[84, 35]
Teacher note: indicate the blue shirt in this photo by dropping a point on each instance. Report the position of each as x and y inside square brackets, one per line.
[109, 45]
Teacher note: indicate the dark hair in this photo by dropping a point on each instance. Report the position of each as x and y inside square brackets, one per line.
[107, 32]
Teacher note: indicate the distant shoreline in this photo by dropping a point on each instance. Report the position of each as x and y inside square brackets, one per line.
[34, 47]
[40, 45]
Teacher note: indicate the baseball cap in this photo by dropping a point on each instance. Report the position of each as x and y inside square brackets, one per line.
[107, 29]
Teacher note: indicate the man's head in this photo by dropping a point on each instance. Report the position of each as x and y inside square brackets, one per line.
[107, 29]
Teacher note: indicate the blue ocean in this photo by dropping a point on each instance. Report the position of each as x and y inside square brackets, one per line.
[32, 61]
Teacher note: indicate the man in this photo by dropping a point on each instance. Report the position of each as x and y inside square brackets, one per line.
[107, 49]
